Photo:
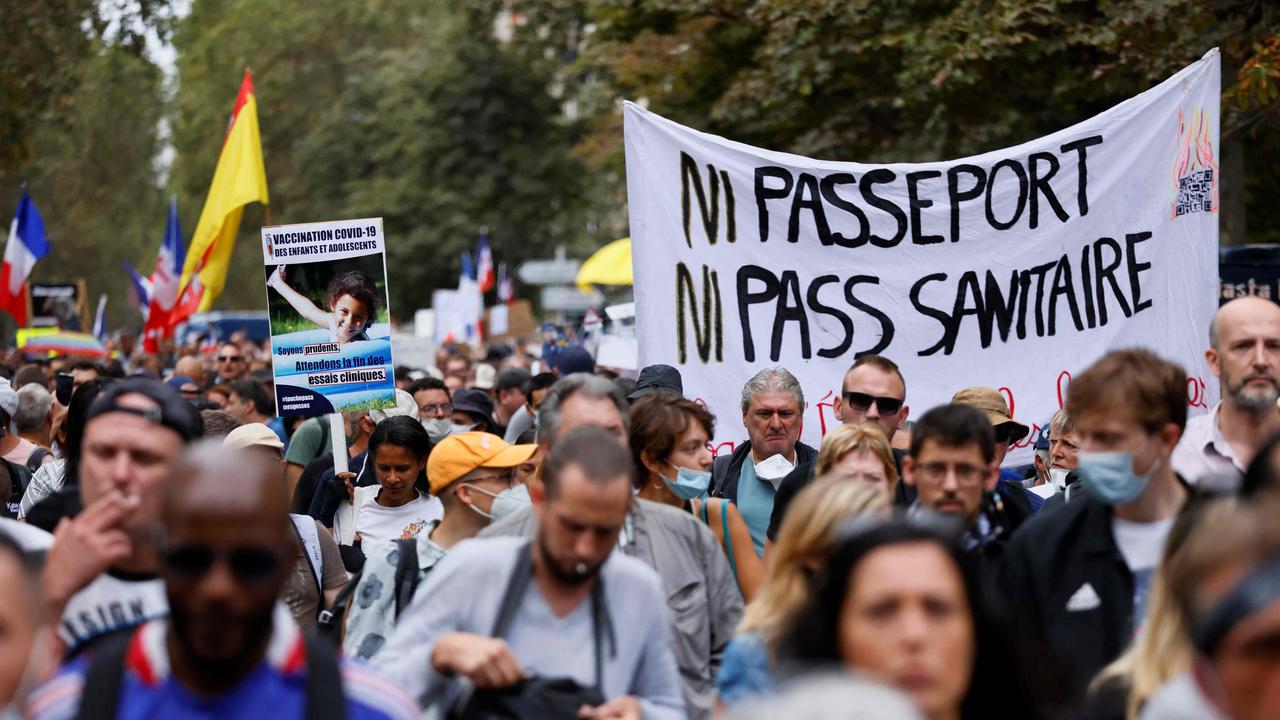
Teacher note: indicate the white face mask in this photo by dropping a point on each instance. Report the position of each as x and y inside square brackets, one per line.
[456, 429]
[437, 428]
[773, 469]
[1058, 478]
[476, 510]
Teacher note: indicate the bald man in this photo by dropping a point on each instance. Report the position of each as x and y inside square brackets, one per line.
[1244, 354]
[228, 549]
[192, 367]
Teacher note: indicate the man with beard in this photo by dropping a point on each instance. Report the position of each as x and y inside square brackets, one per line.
[570, 608]
[954, 467]
[1244, 353]
[228, 649]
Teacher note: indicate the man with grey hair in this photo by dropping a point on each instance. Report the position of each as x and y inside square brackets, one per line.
[580, 396]
[33, 421]
[772, 407]
[1244, 354]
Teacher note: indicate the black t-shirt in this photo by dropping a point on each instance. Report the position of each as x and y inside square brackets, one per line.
[307, 483]
[799, 478]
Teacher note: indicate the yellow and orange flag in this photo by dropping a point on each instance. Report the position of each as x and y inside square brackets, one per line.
[239, 179]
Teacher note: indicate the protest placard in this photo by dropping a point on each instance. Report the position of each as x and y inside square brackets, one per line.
[1013, 269]
[330, 329]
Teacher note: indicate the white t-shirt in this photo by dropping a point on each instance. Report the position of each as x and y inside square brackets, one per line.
[377, 524]
[111, 603]
[1141, 544]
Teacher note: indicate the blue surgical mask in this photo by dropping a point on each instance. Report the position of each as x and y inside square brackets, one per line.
[1110, 477]
[510, 501]
[688, 484]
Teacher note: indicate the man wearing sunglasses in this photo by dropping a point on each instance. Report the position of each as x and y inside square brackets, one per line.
[468, 473]
[229, 363]
[873, 391]
[228, 648]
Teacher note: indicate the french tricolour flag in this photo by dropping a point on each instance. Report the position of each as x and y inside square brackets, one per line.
[27, 244]
[164, 282]
[484, 264]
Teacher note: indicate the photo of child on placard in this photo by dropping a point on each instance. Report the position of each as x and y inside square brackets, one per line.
[330, 335]
[341, 297]
[351, 299]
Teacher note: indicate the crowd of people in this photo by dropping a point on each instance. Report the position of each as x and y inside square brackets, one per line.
[528, 538]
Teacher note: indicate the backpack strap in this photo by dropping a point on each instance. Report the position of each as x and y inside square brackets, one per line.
[406, 582]
[100, 697]
[325, 697]
[521, 575]
[601, 622]
[329, 621]
[36, 459]
[305, 527]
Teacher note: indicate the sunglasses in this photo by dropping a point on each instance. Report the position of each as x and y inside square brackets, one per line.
[248, 563]
[230, 358]
[862, 401]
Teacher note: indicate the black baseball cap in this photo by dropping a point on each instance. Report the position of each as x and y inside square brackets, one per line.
[172, 410]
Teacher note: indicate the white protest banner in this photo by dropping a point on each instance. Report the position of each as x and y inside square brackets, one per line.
[330, 328]
[1012, 269]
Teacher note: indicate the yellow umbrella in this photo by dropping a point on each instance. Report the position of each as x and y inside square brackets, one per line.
[610, 265]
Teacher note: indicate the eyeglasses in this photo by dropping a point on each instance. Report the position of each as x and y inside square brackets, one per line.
[249, 563]
[936, 472]
[504, 478]
[230, 358]
[441, 409]
[862, 402]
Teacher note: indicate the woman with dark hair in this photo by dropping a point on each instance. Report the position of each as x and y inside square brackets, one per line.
[64, 472]
[669, 436]
[398, 506]
[352, 299]
[898, 601]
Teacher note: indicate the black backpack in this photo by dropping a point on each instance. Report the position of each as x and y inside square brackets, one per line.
[100, 698]
[329, 622]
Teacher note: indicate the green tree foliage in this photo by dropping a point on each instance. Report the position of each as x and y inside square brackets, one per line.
[92, 174]
[914, 80]
[78, 124]
[404, 110]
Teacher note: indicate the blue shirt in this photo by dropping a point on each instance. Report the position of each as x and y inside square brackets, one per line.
[755, 503]
[745, 670]
[274, 689]
[277, 427]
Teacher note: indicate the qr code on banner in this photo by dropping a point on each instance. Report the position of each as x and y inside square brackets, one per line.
[1195, 193]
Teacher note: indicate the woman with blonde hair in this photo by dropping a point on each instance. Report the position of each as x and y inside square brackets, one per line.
[858, 452]
[807, 536]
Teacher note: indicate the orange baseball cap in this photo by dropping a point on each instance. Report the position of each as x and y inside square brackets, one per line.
[460, 454]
